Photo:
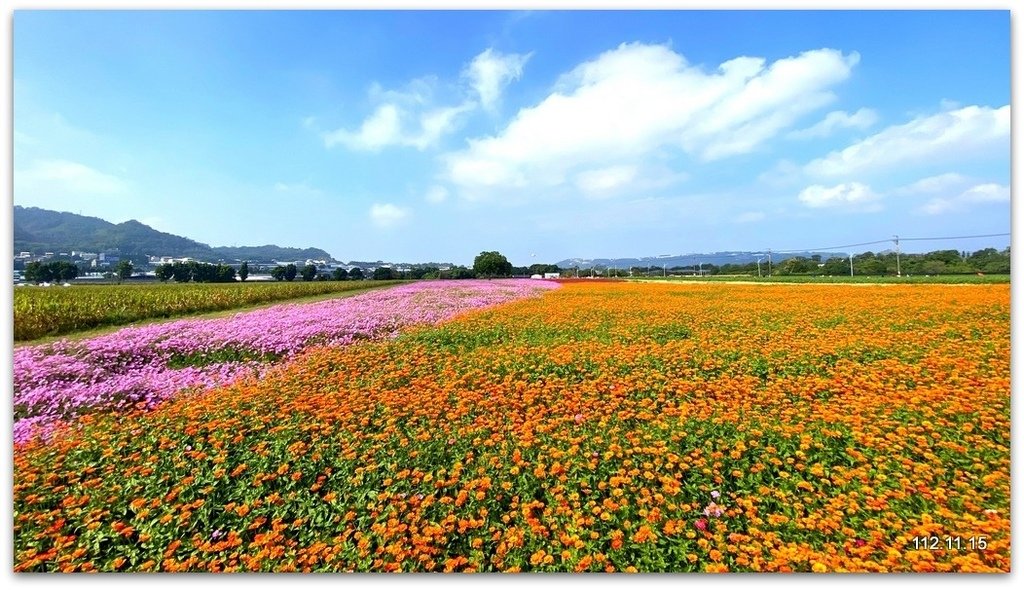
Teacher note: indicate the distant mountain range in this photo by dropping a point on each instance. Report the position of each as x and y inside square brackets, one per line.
[716, 258]
[41, 230]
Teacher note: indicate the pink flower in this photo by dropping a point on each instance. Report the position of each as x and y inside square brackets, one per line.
[701, 524]
[715, 494]
[578, 418]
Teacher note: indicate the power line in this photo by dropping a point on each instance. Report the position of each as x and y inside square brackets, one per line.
[960, 237]
[844, 246]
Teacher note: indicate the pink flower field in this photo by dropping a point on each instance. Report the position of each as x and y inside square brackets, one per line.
[148, 364]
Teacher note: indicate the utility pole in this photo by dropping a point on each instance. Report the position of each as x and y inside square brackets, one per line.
[769, 263]
[897, 240]
[851, 264]
[758, 268]
[664, 270]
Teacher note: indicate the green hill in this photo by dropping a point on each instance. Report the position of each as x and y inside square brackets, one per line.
[41, 230]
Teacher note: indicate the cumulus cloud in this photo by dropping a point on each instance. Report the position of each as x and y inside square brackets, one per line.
[637, 100]
[387, 215]
[490, 72]
[976, 195]
[393, 124]
[834, 121]
[67, 176]
[847, 195]
[409, 117]
[946, 136]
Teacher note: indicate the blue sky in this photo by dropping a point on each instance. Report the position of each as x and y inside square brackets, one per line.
[416, 136]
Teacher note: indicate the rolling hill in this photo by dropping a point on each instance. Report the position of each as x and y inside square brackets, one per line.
[41, 230]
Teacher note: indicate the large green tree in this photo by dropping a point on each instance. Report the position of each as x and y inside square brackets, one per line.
[289, 272]
[309, 272]
[124, 270]
[492, 264]
[243, 271]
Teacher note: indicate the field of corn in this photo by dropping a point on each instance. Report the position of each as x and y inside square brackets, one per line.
[589, 427]
[53, 311]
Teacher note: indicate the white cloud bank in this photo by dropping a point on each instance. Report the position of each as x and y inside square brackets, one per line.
[631, 103]
[946, 136]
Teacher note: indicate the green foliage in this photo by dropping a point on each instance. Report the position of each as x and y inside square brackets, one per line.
[356, 274]
[277, 273]
[339, 274]
[289, 272]
[492, 264]
[309, 272]
[165, 272]
[383, 273]
[59, 270]
[243, 271]
[124, 270]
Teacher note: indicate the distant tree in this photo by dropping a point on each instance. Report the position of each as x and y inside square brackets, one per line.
[383, 273]
[309, 272]
[461, 272]
[933, 267]
[165, 272]
[63, 271]
[124, 270]
[539, 269]
[277, 273]
[339, 274]
[182, 272]
[492, 264]
[225, 274]
[243, 271]
[289, 272]
[37, 272]
[356, 274]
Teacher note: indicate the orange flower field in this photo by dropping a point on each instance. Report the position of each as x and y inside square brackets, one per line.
[600, 427]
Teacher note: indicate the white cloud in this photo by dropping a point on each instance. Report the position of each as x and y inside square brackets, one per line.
[849, 195]
[436, 194]
[631, 103]
[490, 72]
[388, 215]
[862, 119]
[403, 118]
[67, 176]
[976, 195]
[972, 131]
[750, 217]
[603, 181]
